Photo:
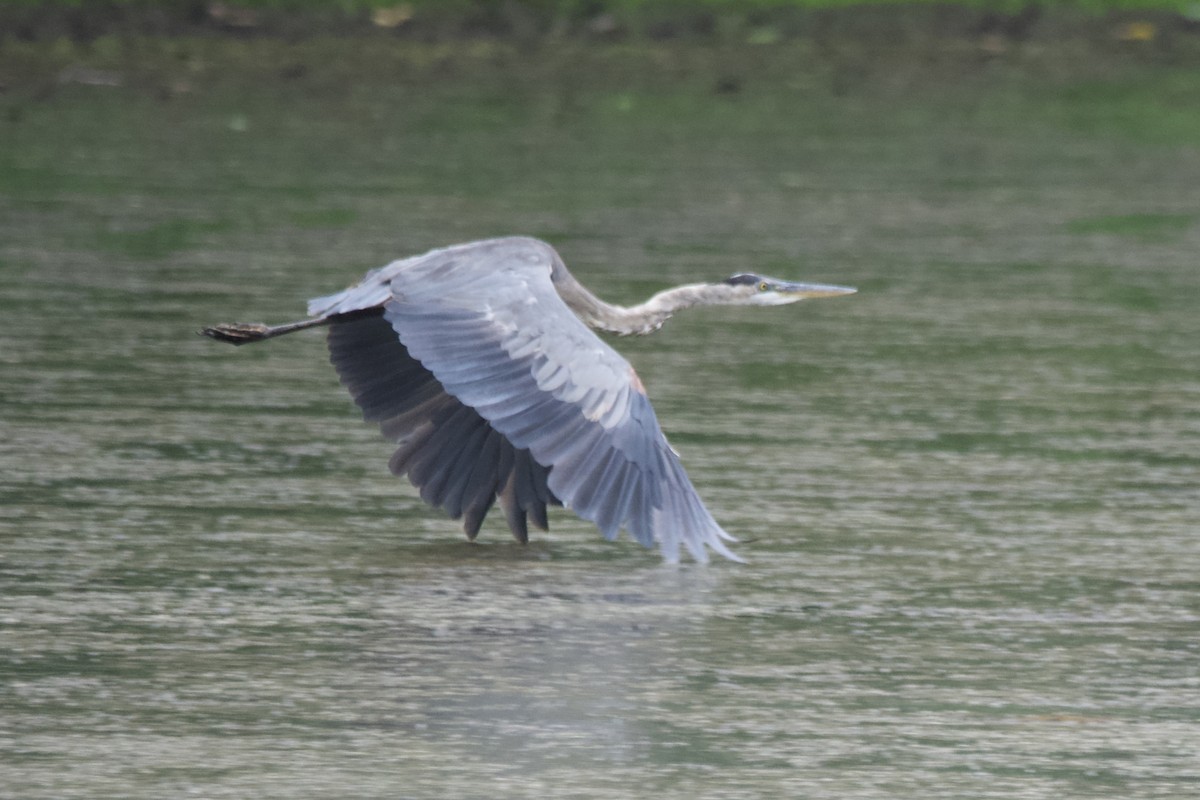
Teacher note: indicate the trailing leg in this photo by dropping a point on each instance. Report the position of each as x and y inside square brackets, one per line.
[239, 333]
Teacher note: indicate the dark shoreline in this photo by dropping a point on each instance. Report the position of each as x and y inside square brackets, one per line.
[531, 22]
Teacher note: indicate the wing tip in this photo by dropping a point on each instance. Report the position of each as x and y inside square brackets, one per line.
[698, 547]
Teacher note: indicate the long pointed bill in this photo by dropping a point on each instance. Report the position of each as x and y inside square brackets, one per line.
[803, 291]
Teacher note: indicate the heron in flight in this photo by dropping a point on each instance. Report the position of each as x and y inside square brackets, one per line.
[479, 361]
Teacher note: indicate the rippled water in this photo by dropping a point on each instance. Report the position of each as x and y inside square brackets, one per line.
[968, 495]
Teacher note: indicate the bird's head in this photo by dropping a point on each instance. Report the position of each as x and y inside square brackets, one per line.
[748, 289]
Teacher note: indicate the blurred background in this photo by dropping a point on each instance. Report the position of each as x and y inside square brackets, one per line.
[969, 496]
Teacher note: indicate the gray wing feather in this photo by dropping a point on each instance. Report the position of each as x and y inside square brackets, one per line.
[486, 322]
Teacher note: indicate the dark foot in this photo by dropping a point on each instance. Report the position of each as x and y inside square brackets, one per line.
[238, 332]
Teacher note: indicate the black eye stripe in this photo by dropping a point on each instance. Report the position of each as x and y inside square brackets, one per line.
[742, 279]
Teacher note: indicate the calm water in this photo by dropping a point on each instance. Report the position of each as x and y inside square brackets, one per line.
[968, 495]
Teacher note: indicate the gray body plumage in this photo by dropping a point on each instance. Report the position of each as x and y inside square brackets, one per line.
[479, 362]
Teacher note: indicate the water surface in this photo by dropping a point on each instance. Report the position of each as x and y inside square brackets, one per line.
[968, 495]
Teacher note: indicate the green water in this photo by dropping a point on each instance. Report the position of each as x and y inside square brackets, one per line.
[969, 495]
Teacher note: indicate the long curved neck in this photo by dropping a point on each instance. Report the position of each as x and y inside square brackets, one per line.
[643, 318]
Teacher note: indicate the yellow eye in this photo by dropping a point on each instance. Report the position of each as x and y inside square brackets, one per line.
[762, 287]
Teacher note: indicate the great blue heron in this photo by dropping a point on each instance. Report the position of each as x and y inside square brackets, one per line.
[478, 361]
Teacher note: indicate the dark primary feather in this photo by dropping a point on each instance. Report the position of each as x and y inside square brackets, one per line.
[449, 452]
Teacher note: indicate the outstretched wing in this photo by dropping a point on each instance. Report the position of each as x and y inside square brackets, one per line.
[486, 321]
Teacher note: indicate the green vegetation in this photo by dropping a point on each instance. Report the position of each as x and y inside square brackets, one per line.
[751, 21]
[590, 7]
